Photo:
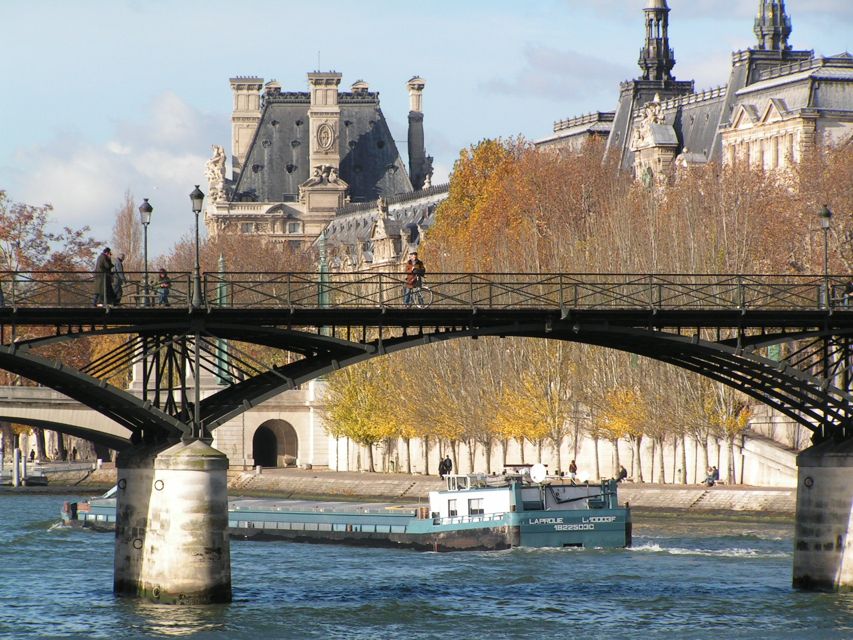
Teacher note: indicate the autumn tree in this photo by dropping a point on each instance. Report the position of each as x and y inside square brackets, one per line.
[26, 245]
[356, 407]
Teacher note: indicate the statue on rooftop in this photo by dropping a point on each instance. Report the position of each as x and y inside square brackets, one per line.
[215, 174]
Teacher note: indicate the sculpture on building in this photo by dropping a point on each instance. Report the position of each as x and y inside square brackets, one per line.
[215, 173]
[652, 115]
[323, 174]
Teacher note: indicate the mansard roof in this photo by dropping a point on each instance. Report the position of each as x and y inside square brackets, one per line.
[823, 84]
[277, 161]
[407, 214]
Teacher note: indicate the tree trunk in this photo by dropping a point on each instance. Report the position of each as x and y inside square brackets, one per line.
[661, 469]
[638, 448]
[408, 442]
[370, 467]
[425, 441]
[558, 443]
[706, 452]
[472, 453]
[539, 444]
[487, 453]
[41, 448]
[683, 459]
[617, 463]
[732, 473]
[652, 471]
[521, 446]
[597, 461]
[504, 449]
[8, 439]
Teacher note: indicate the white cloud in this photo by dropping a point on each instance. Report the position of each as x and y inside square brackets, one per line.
[160, 157]
[559, 75]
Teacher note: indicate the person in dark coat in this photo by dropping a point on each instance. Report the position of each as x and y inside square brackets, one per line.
[119, 279]
[623, 474]
[103, 279]
[164, 283]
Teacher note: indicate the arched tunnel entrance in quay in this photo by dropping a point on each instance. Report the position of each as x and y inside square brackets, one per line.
[275, 444]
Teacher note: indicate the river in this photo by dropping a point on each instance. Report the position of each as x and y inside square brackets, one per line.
[685, 577]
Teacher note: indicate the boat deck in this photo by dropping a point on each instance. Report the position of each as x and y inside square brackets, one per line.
[313, 506]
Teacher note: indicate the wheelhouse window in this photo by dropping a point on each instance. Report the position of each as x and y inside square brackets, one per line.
[451, 508]
[475, 507]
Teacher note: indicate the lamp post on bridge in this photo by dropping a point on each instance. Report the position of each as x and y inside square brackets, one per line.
[197, 198]
[825, 219]
[145, 210]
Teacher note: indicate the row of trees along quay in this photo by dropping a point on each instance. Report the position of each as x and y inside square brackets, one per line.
[513, 209]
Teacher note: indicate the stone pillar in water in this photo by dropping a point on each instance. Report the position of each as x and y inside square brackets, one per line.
[135, 477]
[186, 555]
[823, 537]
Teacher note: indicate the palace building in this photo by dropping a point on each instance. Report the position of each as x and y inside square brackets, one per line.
[778, 104]
[301, 160]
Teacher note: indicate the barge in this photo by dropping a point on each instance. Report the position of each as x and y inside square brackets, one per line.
[473, 512]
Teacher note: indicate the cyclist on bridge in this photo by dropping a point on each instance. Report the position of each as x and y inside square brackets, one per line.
[415, 271]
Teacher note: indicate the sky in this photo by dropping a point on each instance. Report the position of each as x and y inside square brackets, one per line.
[105, 97]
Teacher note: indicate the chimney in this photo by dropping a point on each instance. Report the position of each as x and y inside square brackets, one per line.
[245, 117]
[417, 152]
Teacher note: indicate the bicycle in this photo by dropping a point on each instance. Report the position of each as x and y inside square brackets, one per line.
[419, 295]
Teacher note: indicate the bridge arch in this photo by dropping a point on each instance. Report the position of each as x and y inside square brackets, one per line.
[275, 444]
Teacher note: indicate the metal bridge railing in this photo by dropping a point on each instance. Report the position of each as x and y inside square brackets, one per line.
[308, 290]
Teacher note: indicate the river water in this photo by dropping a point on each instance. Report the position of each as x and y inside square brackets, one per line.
[686, 577]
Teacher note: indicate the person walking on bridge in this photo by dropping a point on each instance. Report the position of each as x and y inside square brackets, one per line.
[415, 272]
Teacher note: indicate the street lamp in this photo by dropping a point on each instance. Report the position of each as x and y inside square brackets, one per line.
[145, 210]
[197, 198]
[825, 218]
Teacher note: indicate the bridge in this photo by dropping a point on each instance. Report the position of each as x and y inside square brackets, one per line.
[782, 339]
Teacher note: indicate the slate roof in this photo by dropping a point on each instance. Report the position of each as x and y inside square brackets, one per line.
[407, 216]
[278, 158]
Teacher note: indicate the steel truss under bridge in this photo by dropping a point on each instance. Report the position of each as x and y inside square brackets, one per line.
[784, 340]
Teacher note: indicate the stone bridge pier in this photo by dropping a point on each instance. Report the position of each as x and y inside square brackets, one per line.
[823, 538]
[172, 543]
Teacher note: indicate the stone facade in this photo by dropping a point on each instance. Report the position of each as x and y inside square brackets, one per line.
[778, 104]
